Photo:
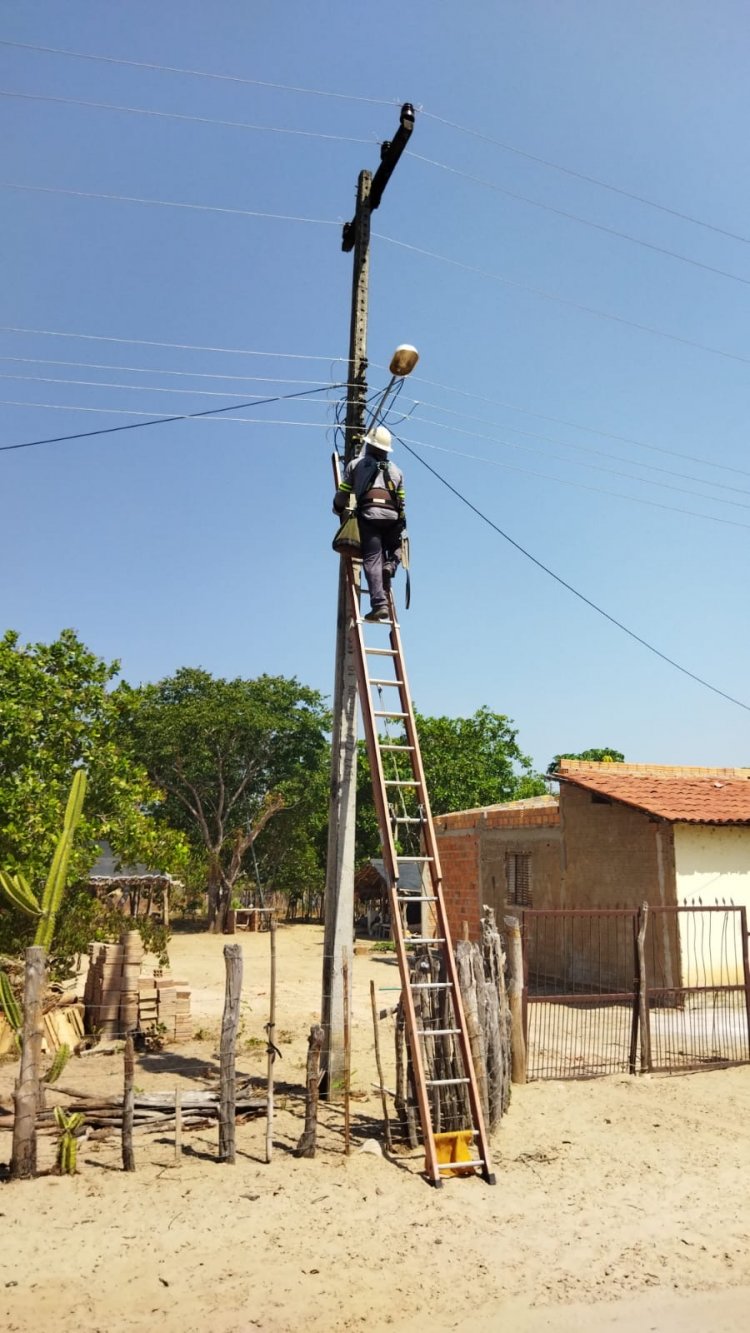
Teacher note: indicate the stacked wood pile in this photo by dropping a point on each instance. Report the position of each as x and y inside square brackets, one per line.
[153, 1111]
[118, 999]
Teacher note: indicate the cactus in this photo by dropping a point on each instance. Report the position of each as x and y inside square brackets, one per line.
[67, 1149]
[53, 889]
[62, 1055]
[9, 1004]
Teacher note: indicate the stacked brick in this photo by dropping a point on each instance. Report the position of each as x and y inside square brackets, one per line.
[118, 999]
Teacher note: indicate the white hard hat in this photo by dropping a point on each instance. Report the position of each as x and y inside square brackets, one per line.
[379, 438]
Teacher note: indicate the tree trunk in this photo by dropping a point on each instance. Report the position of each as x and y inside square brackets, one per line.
[26, 1095]
[214, 892]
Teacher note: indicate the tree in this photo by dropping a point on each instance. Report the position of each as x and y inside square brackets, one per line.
[605, 756]
[229, 754]
[468, 762]
[57, 714]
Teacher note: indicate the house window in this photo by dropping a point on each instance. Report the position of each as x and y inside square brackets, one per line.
[518, 875]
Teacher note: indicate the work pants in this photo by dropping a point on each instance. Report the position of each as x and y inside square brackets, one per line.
[381, 547]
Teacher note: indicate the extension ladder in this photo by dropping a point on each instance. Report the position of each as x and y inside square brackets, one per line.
[393, 827]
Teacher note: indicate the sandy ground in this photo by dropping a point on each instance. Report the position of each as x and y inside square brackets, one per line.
[621, 1203]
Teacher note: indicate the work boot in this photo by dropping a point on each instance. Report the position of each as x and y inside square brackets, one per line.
[379, 613]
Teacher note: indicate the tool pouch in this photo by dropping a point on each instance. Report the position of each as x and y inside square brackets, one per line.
[347, 540]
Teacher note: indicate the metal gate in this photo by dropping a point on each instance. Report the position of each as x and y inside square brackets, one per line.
[613, 990]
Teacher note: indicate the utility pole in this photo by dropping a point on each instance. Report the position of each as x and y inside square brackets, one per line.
[338, 945]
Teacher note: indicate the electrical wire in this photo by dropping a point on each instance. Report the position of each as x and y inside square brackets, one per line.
[197, 73]
[569, 586]
[176, 115]
[163, 420]
[166, 203]
[435, 407]
[575, 217]
[181, 347]
[589, 180]
[563, 421]
[563, 300]
[380, 101]
[150, 370]
[584, 486]
[107, 384]
[595, 467]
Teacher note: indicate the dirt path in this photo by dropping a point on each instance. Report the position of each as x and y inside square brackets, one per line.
[621, 1203]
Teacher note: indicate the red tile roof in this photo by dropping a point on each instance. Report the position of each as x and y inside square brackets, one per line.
[680, 795]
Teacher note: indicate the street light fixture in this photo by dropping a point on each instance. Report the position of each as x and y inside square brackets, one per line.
[403, 361]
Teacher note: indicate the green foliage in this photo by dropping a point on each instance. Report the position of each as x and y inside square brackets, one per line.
[67, 1147]
[605, 756]
[228, 755]
[85, 919]
[58, 715]
[468, 762]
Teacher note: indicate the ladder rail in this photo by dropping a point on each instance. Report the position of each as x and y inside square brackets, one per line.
[441, 924]
[391, 867]
[431, 862]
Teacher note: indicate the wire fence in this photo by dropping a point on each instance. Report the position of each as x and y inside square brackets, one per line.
[613, 990]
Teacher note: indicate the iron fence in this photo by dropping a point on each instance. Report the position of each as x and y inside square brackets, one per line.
[611, 990]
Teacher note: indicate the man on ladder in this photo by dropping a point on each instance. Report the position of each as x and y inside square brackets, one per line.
[378, 488]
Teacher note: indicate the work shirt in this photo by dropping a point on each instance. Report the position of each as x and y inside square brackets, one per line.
[379, 493]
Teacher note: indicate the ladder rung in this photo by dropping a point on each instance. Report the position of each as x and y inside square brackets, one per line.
[381, 652]
[439, 1032]
[380, 680]
[424, 939]
[402, 782]
[444, 1082]
[412, 898]
[430, 985]
[404, 748]
[414, 860]
[379, 712]
[454, 1166]
[407, 819]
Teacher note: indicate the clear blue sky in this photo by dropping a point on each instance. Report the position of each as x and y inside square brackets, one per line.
[209, 543]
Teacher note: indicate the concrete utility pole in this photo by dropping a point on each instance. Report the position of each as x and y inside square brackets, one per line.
[338, 944]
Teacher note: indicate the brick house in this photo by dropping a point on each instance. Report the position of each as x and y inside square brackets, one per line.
[615, 835]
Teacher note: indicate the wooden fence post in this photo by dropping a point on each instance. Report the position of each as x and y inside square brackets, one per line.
[643, 1011]
[26, 1094]
[128, 1104]
[515, 998]
[229, 1024]
[271, 1033]
[307, 1142]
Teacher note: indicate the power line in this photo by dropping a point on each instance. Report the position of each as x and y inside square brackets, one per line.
[150, 370]
[596, 467]
[107, 384]
[176, 115]
[155, 420]
[165, 203]
[567, 444]
[563, 421]
[590, 180]
[150, 342]
[198, 73]
[435, 407]
[563, 300]
[575, 217]
[379, 101]
[582, 485]
[569, 586]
